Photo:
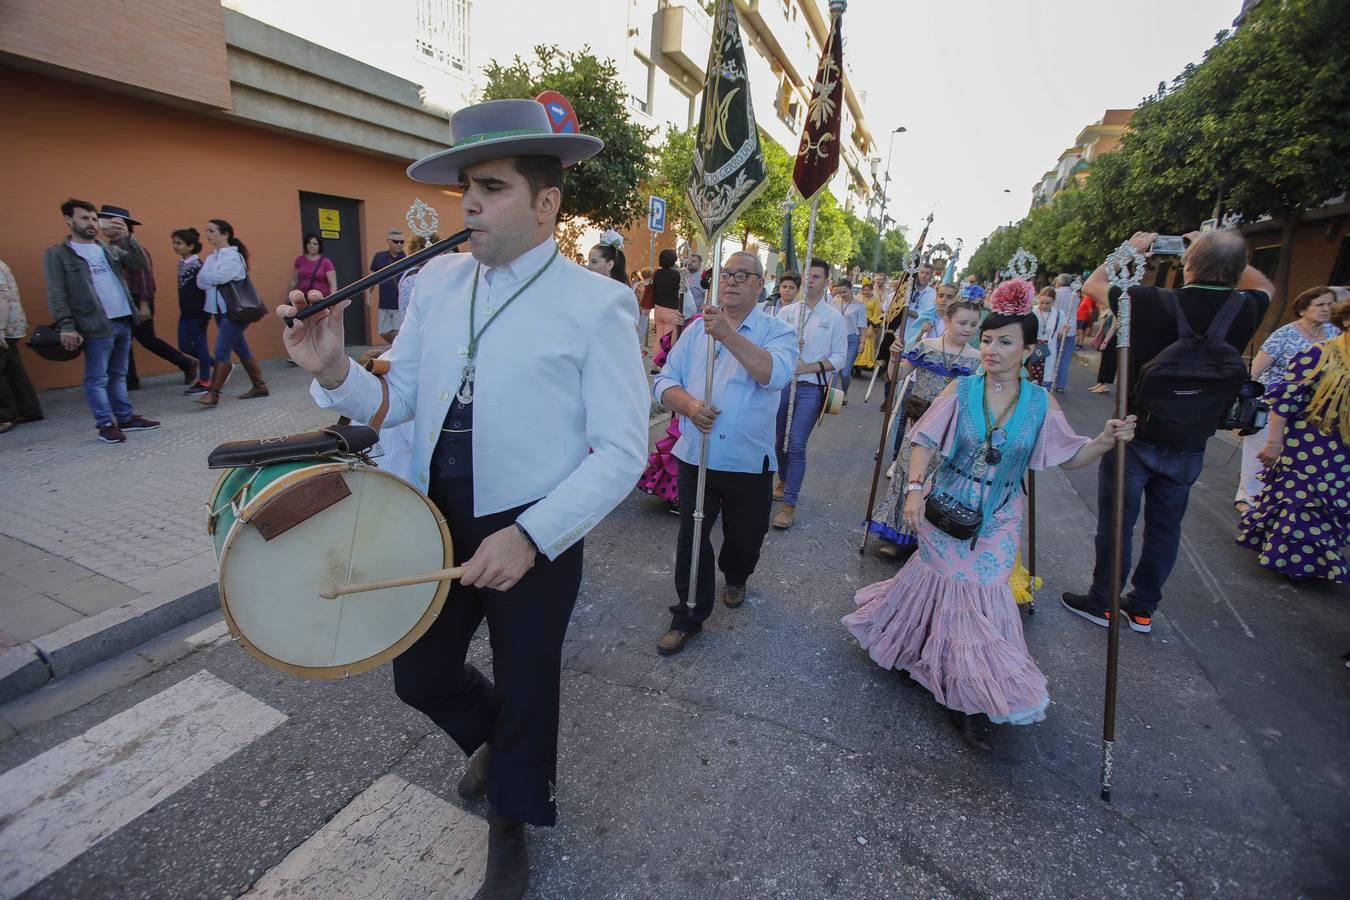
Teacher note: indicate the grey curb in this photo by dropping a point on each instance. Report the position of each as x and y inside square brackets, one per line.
[86, 642]
[21, 671]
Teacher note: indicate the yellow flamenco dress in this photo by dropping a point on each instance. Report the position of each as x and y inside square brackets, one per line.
[867, 356]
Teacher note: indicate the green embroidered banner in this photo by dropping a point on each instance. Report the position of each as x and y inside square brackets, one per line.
[728, 161]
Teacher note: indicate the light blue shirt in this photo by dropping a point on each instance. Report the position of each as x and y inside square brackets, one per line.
[855, 316]
[921, 301]
[743, 433]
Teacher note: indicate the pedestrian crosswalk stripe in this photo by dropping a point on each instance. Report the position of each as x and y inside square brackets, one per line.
[62, 802]
[394, 840]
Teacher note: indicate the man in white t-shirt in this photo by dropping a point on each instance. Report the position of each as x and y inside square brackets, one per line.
[822, 346]
[88, 297]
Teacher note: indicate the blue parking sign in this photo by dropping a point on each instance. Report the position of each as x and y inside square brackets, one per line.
[656, 215]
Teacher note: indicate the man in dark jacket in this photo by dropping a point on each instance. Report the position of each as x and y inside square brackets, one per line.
[88, 296]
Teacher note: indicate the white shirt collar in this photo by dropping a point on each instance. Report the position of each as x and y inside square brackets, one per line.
[524, 265]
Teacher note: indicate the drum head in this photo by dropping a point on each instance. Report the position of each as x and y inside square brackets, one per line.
[269, 590]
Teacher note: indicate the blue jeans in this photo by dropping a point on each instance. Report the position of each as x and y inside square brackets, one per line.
[1161, 476]
[192, 341]
[1061, 375]
[850, 355]
[105, 375]
[230, 339]
[792, 464]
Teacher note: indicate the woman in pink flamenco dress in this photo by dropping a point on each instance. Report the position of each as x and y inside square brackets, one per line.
[659, 478]
[948, 618]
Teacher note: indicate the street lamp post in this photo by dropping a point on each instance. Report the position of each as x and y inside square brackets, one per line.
[885, 184]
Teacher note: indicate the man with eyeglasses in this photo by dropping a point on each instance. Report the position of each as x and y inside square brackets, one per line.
[390, 317]
[821, 350]
[753, 358]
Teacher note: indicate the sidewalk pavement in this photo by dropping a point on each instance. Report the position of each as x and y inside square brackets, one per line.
[103, 546]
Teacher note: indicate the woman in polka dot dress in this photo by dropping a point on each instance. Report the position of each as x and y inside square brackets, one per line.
[1302, 518]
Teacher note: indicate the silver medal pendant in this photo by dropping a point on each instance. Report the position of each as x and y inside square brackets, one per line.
[465, 394]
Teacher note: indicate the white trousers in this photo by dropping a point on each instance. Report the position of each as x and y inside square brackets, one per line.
[1249, 482]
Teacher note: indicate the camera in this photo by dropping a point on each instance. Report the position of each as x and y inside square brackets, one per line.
[1248, 414]
[1170, 244]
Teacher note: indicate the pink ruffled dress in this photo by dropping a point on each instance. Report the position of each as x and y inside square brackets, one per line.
[948, 617]
[660, 478]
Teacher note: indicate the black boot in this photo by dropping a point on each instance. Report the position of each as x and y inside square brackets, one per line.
[970, 730]
[508, 863]
[474, 781]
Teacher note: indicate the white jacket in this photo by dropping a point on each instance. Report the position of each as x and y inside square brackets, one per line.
[559, 401]
[221, 267]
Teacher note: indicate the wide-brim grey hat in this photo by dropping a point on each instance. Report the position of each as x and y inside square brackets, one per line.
[499, 129]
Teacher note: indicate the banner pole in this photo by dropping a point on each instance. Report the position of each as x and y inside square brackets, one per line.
[692, 593]
[801, 320]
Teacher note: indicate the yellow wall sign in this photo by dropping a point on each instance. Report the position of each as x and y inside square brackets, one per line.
[329, 220]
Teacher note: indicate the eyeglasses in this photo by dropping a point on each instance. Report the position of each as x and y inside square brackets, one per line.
[399, 241]
[739, 276]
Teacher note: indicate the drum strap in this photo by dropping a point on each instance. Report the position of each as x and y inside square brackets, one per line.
[379, 368]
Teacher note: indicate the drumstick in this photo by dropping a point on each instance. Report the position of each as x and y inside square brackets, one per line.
[333, 593]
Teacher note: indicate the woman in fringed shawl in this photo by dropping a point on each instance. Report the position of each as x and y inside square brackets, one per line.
[948, 619]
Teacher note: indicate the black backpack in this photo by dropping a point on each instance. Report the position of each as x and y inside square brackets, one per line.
[1183, 392]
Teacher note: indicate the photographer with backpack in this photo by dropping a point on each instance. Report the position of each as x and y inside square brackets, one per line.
[1186, 368]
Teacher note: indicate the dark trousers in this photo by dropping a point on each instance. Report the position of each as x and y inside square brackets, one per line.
[518, 714]
[1160, 476]
[192, 341]
[146, 337]
[743, 500]
[18, 400]
[1106, 366]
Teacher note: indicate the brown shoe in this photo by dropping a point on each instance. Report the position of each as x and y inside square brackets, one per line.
[673, 641]
[889, 550]
[785, 516]
[779, 489]
[219, 373]
[474, 781]
[733, 596]
[259, 388]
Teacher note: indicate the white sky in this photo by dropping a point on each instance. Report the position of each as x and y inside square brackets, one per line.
[1004, 89]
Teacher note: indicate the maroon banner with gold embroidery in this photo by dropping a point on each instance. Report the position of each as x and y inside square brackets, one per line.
[818, 156]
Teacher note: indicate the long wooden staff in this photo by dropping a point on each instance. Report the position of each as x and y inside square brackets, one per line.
[1031, 540]
[711, 300]
[1124, 269]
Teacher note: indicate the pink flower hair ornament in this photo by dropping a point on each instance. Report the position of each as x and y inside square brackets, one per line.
[1013, 297]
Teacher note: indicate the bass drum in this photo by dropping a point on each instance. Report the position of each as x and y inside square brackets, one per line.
[285, 531]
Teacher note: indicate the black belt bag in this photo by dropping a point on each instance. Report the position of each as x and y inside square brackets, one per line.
[952, 517]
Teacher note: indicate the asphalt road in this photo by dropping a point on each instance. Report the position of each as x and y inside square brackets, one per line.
[770, 759]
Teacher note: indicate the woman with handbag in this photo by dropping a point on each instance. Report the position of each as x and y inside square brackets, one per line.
[948, 618]
[934, 362]
[224, 277]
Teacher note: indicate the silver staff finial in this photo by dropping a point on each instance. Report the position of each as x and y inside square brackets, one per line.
[422, 219]
[1022, 265]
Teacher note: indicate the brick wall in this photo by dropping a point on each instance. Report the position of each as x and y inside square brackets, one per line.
[174, 168]
[171, 47]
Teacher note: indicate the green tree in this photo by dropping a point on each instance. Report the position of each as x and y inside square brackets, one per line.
[894, 249]
[834, 240]
[864, 241]
[670, 175]
[1261, 126]
[601, 189]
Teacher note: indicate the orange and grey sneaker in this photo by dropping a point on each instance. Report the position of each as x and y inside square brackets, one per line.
[1141, 622]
